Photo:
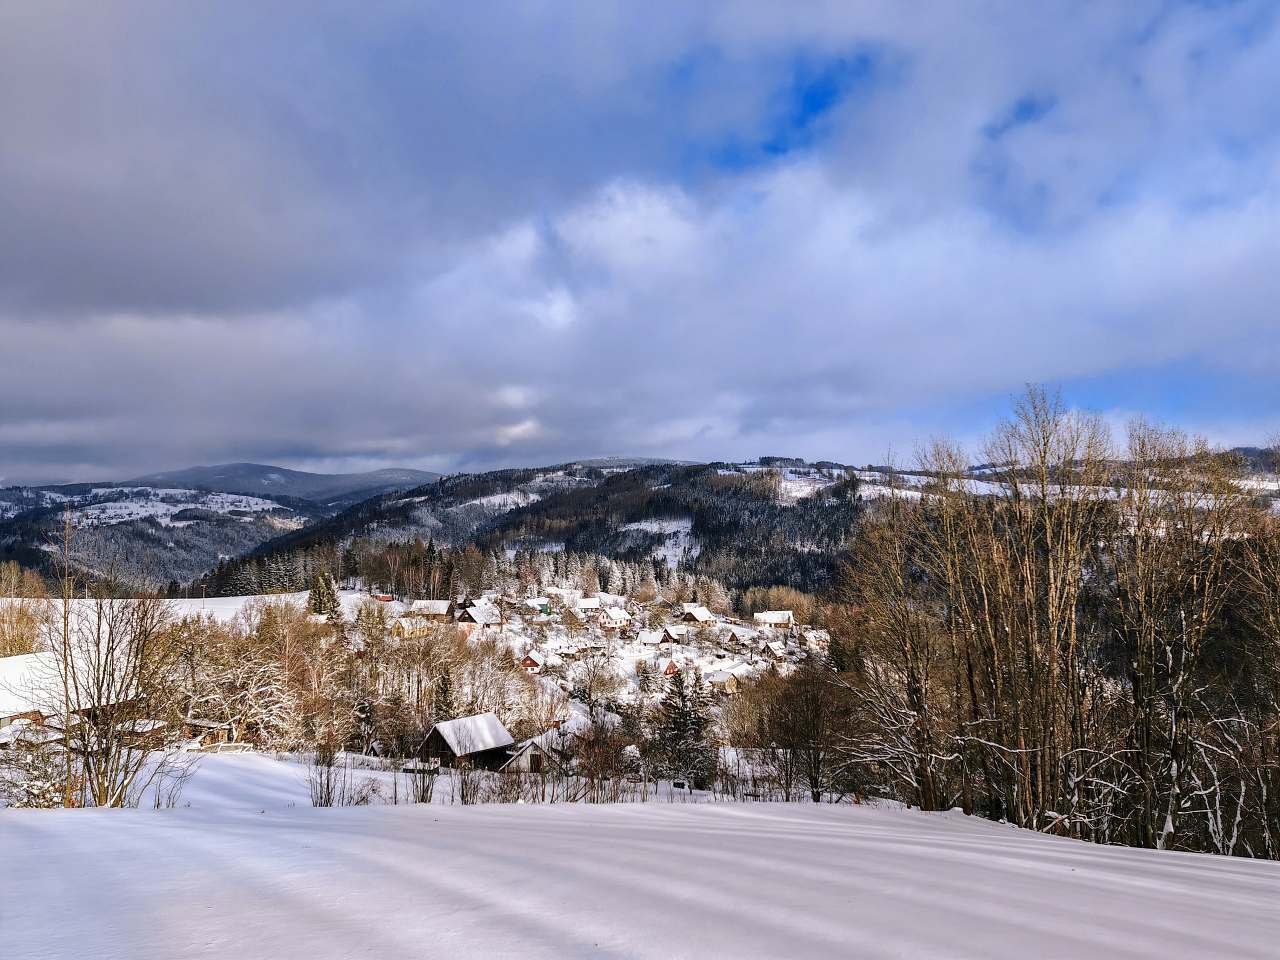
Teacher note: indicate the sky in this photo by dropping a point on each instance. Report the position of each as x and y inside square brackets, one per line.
[457, 236]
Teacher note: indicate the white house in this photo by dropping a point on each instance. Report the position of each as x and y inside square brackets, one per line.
[775, 618]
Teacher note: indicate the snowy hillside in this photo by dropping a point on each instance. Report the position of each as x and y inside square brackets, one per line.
[633, 880]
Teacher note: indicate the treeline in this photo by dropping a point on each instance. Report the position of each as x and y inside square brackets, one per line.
[422, 570]
[743, 532]
[1094, 651]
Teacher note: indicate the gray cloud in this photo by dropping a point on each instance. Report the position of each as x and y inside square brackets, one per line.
[346, 239]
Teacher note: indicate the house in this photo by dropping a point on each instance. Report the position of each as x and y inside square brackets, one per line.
[533, 662]
[817, 641]
[775, 649]
[723, 681]
[614, 618]
[539, 605]
[534, 755]
[666, 667]
[696, 613]
[650, 638]
[441, 610]
[482, 613]
[402, 628]
[587, 604]
[775, 618]
[477, 741]
[675, 633]
[382, 597]
[742, 634]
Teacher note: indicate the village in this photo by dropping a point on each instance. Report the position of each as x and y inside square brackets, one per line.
[585, 658]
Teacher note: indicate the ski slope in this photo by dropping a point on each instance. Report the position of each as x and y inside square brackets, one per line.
[635, 880]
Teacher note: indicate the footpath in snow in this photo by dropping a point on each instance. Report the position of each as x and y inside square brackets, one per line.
[636, 880]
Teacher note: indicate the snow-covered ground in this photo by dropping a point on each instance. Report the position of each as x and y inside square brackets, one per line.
[103, 506]
[251, 877]
[678, 539]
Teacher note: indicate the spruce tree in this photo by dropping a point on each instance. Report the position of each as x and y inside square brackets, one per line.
[323, 599]
[684, 731]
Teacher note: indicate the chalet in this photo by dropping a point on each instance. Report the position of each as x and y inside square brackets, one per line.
[539, 605]
[675, 633]
[477, 741]
[742, 634]
[587, 605]
[666, 667]
[482, 614]
[650, 638]
[696, 613]
[774, 649]
[533, 662]
[440, 610]
[614, 618]
[382, 597]
[783, 619]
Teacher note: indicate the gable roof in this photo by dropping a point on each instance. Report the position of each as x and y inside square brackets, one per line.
[484, 614]
[468, 735]
[698, 612]
[588, 603]
[775, 617]
[436, 608]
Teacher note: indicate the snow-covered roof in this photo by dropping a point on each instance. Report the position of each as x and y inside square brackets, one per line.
[536, 657]
[435, 608]
[484, 613]
[27, 681]
[650, 637]
[467, 735]
[617, 615]
[698, 612]
[775, 618]
[537, 603]
[588, 603]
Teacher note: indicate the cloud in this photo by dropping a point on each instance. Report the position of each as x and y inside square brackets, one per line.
[455, 239]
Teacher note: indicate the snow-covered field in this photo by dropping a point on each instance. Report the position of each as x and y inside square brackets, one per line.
[242, 875]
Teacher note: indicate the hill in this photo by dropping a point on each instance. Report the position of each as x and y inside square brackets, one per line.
[268, 876]
[743, 524]
[259, 478]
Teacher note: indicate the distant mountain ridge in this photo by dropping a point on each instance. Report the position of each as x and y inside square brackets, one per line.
[261, 478]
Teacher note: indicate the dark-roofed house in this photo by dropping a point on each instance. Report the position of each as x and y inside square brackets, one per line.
[478, 741]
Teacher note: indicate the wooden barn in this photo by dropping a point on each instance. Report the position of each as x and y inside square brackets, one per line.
[478, 741]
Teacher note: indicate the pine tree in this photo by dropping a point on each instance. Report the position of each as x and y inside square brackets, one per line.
[443, 702]
[684, 731]
[323, 599]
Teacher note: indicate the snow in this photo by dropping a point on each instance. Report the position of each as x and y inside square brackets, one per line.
[502, 501]
[22, 678]
[631, 880]
[467, 735]
[677, 538]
